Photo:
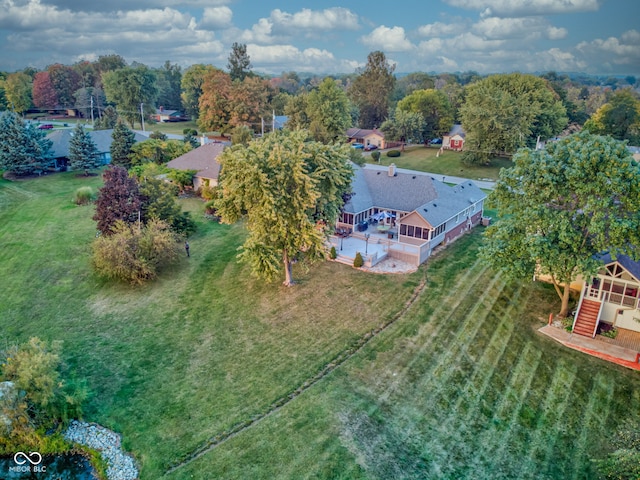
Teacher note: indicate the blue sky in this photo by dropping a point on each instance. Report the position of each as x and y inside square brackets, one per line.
[592, 36]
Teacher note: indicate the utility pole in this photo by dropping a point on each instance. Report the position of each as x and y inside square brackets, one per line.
[273, 121]
[262, 132]
[92, 119]
[142, 115]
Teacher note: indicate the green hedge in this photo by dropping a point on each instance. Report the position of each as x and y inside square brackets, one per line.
[393, 153]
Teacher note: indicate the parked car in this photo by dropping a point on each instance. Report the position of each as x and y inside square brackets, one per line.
[357, 145]
[368, 148]
[436, 141]
[45, 126]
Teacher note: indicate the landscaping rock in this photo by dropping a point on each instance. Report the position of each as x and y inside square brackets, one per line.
[121, 466]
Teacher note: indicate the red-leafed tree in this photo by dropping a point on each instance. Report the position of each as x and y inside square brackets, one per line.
[44, 94]
[66, 81]
[118, 199]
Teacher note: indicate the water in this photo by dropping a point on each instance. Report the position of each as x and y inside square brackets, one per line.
[52, 467]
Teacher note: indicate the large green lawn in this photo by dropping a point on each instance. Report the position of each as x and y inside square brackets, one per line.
[460, 386]
[449, 163]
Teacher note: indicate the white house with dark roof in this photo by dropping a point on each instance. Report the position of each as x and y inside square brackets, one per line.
[612, 296]
[204, 160]
[420, 212]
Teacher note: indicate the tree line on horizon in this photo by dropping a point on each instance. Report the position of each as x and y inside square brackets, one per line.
[413, 107]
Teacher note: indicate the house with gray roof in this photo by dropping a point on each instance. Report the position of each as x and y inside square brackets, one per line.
[420, 212]
[61, 139]
[612, 296]
[204, 160]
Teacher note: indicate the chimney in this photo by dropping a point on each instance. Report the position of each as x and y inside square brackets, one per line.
[161, 108]
[203, 140]
[392, 170]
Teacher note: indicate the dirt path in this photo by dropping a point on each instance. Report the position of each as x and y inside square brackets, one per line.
[337, 361]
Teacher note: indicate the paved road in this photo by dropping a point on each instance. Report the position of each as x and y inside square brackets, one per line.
[486, 184]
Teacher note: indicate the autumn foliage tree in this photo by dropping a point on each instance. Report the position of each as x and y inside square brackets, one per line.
[225, 103]
[44, 94]
[118, 200]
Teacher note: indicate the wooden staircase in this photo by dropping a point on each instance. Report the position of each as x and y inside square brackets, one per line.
[587, 318]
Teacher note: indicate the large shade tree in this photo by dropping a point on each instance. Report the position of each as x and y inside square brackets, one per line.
[620, 117]
[329, 111]
[191, 86]
[562, 206]
[289, 189]
[502, 113]
[437, 113]
[239, 62]
[371, 90]
[17, 91]
[44, 94]
[133, 90]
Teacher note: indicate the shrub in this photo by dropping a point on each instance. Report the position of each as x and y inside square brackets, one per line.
[375, 155]
[332, 253]
[135, 255]
[84, 196]
[36, 397]
[184, 178]
[393, 153]
[358, 261]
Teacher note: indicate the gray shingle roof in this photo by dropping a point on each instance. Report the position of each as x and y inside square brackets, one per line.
[102, 138]
[202, 159]
[410, 190]
[629, 264]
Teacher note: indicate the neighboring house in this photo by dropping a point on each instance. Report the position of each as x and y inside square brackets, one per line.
[163, 115]
[366, 137]
[611, 296]
[422, 212]
[61, 140]
[204, 160]
[455, 139]
[635, 151]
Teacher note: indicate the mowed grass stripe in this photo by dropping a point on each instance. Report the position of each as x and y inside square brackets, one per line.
[484, 368]
[556, 400]
[427, 333]
[594, 419]
[513, 402]
[473, 314]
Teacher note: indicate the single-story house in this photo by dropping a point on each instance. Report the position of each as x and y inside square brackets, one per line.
[612, 297]
[204, 160]
[366, 137]
[61, 140]
[455, 139]
[420, 211]
[164, 115]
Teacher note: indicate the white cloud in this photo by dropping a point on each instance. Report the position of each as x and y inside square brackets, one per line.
[216, 17]
[613, 51]
[528, 28]
[388, 39]
[260, 32]
[506, 8]
[277, 58]
[439, 29]
[336, 18]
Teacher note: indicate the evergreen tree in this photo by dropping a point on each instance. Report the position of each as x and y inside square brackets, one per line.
[123, 140]
[108, 119]
[83, 153]
[25, 149]
[118, 199]
[239, 62]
